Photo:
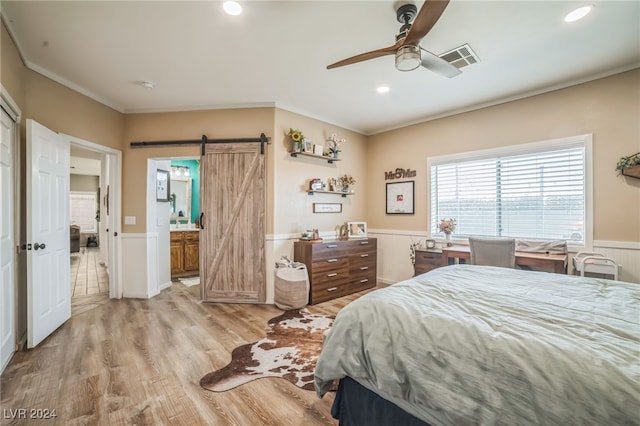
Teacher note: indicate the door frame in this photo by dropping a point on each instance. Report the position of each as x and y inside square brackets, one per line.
[150, 201]
[11, 107]
[114, 262]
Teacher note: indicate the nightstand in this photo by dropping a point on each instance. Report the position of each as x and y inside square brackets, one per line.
[427, 260]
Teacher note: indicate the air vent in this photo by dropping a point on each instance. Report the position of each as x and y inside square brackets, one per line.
[460, 57]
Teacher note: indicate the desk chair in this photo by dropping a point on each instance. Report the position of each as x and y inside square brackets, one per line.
[493, 251]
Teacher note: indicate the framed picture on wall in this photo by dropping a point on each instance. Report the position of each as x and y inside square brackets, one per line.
[400, 198]
[162, 185]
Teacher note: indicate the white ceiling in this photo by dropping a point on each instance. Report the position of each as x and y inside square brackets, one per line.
[276, 53]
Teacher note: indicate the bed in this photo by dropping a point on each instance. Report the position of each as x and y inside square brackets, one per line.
[467, 344]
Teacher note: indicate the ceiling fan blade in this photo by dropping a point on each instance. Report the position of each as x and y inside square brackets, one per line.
[391, 50]
[437, 64]
[425, 20]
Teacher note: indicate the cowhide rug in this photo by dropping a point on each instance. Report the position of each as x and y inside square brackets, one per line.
[290, 350]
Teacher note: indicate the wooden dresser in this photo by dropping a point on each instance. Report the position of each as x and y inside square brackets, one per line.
[427, 260]
[339, 267]
[185, 253]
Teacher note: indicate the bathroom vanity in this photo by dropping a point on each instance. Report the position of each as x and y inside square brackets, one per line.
[185, 252]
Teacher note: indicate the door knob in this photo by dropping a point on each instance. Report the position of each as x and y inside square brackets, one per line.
[37, 246]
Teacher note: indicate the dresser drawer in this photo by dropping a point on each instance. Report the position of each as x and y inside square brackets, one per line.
[336, 275]
[369, 274]
[426, 261]
[328, 250]
[319, 295]
[362, 284]
[362, 246]
[329, 264]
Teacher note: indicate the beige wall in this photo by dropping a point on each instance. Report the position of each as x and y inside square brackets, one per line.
[85, 183]
[67, 111]
[293, 208]
[608, 108]
[216, 124]
[60, 109]
[11, 67]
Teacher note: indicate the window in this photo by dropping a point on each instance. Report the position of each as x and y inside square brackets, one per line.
[83, 211]
[532, 191]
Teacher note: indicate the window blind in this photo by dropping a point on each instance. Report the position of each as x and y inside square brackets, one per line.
[536, 194]
[83, 211]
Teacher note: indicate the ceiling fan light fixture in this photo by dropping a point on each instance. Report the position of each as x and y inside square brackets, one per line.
[408, 58]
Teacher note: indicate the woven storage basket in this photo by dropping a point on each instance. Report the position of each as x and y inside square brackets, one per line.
[291, 288]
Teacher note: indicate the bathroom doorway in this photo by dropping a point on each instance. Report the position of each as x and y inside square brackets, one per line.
[184, 223]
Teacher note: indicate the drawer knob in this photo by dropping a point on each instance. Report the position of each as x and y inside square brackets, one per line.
[332, 260]
[364, 242]
[364, 281]
[333, 274]
[332, 289]
[364, 255]
[364, 267]
[332, 246]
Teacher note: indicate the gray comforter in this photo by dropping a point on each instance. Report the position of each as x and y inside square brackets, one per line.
[481, 345]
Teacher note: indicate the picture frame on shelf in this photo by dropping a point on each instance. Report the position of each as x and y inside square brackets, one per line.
[327, 207]
[162, 185]
[357, 229]
[318, 149]
[307, 146]
[400, 198]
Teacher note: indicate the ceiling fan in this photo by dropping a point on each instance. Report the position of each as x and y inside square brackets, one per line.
[409, 54]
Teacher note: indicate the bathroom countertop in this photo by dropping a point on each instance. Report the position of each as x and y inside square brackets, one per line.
[184, 228]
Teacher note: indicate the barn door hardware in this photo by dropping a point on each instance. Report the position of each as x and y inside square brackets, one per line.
[202, 142]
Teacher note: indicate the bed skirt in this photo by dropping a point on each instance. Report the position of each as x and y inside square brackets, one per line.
[355, 405]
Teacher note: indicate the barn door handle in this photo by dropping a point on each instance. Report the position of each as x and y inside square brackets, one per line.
[202, 220]
[37, 246]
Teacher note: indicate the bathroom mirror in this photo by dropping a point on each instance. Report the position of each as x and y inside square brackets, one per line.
[181, 198]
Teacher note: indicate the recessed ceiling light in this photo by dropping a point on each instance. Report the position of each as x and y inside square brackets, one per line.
[382, 89]
[578, 13]
[232, 7]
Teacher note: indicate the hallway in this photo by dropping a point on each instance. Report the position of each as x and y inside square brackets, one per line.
[89, 280]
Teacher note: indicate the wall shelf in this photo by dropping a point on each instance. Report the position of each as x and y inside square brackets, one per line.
[308, 154]
[633, 171]
[344, 194]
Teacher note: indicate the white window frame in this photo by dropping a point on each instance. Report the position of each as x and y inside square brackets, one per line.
[92, 195]
[585, 140]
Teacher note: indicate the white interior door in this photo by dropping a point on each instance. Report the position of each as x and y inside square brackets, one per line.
[48, 281]
[7, 257]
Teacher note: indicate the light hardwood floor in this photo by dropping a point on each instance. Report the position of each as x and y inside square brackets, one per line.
[139, 362]
[89, 280]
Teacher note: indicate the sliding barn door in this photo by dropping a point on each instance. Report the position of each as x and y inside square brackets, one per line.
[232, 260]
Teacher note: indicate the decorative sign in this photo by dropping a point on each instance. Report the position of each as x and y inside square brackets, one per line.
[327, 207]
[400, 174]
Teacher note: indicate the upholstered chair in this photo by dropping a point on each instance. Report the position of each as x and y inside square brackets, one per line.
[493, 251]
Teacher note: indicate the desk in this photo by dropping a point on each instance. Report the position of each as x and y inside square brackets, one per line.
[551, 262]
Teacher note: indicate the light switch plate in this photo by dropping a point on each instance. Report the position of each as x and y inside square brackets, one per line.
[129, 220]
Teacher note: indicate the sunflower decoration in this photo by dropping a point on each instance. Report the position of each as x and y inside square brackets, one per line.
[296, 135]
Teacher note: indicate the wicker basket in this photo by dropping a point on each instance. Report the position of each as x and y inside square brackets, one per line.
[291, 288]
